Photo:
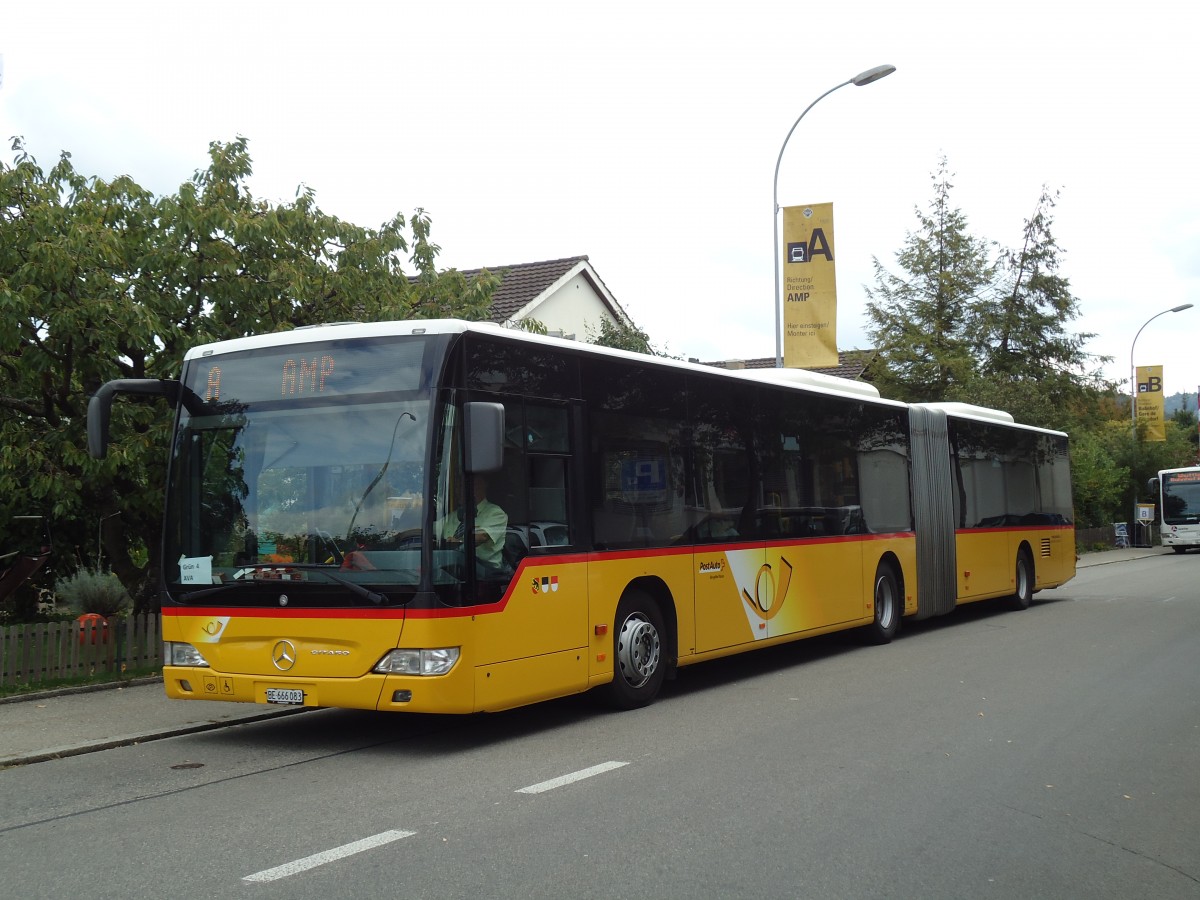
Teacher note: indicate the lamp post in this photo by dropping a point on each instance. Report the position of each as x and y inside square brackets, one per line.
[859, 80]
[1133, 371]
[1133, 399]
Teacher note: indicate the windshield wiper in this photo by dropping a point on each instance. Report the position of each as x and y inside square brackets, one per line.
[387, 462]
[208, 592]
[366, 593]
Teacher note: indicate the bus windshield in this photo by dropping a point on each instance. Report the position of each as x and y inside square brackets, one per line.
[1181, 498]
[268, 486]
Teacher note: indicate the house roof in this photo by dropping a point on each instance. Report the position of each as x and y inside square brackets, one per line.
[851, 364]
[523, 283]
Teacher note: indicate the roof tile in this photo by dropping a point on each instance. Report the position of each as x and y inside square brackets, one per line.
[523, 282]
[851, 364]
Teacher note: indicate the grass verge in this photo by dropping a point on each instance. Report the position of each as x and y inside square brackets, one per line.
[57, 684]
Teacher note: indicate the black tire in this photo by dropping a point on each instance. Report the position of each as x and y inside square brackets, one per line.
[1023, 595]
[1179, 549]
[639, 660]
[889, 607]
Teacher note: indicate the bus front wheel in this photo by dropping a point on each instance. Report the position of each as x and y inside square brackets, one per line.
[1023, 595]
[638, 663]
[888, 609]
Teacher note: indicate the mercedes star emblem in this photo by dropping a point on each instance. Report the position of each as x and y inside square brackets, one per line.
[284, 655]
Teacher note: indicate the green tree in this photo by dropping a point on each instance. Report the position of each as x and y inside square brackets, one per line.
[961, 326]
[621, 336]
[1028, 363]
[1100, 481]
[1138, 459]
[101, 280]
[919, 322]
[1185, 420]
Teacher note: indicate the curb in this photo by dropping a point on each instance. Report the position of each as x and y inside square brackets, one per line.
[140, 738]
[1081, 564]
[66, 690]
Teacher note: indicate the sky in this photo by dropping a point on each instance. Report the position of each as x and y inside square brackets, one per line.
[645, 136]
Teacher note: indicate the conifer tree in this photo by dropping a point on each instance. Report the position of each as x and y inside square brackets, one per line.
[920, 322]
[1027, 360]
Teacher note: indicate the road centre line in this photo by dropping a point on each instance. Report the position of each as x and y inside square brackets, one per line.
[328, 856]
[562, 780]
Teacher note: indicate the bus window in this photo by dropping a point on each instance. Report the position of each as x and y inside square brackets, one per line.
[637, 428]
[883, 472]
[808, 464]
[520, 368]
[720, 489]
[533, 486]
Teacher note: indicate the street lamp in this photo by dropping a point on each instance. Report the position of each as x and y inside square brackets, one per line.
[859, 80]
[1133, 372]
[1133, 408]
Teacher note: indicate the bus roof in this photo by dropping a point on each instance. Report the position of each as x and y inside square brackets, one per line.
[984, 414]
[334, 331]
[799, 378]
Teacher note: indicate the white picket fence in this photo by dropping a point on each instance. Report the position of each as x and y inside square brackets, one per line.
[50, 651]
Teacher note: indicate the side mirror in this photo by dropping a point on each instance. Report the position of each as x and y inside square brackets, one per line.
[99, 411]
[1152, 486]
[485, 436]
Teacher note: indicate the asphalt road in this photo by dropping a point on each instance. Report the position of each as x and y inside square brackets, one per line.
[1044, 753]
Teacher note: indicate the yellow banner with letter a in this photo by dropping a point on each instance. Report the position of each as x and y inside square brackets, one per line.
[1150, 417]
[809, 287]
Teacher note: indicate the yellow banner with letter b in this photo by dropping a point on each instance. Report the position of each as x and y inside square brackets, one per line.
[809, 287]
[1150, 417]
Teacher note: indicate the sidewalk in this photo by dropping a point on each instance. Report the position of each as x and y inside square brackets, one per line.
[53, 724]
[1104, 557]
[42, 726]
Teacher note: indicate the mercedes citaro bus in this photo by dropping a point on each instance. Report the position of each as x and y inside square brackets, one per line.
[450, 517]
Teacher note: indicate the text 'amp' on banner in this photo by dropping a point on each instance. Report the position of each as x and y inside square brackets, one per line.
[809, 287]
[1150, 417]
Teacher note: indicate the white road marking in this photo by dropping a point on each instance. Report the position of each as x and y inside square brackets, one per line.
[328, 856]
[570, 779]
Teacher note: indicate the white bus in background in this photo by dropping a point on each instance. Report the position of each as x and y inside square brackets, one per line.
[1179, 505]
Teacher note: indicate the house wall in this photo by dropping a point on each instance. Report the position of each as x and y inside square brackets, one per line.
[573, 309]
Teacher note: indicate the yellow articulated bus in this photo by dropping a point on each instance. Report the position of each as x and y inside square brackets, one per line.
[441, 516]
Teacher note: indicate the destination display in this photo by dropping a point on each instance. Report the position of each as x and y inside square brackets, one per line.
[308, 371]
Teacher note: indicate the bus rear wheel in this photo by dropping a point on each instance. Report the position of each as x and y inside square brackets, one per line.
[638, 663]
[888, 609]
[1023, 595]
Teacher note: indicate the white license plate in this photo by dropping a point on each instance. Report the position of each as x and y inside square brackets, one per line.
[285, 695]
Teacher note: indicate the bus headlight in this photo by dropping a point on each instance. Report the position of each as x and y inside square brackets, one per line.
[418, 662]
[177, 653]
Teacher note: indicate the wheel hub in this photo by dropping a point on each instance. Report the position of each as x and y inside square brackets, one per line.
[885, 603]
[639, 649]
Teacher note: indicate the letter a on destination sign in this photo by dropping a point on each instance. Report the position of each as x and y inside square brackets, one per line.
[809, 287]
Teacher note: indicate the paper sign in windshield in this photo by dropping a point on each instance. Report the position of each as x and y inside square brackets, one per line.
[195, 570]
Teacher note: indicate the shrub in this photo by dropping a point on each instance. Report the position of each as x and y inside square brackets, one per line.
[92, 591]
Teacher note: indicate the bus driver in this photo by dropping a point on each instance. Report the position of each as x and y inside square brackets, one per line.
[491, 525]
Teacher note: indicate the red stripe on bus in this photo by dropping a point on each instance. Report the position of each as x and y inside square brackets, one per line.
[529, 564]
